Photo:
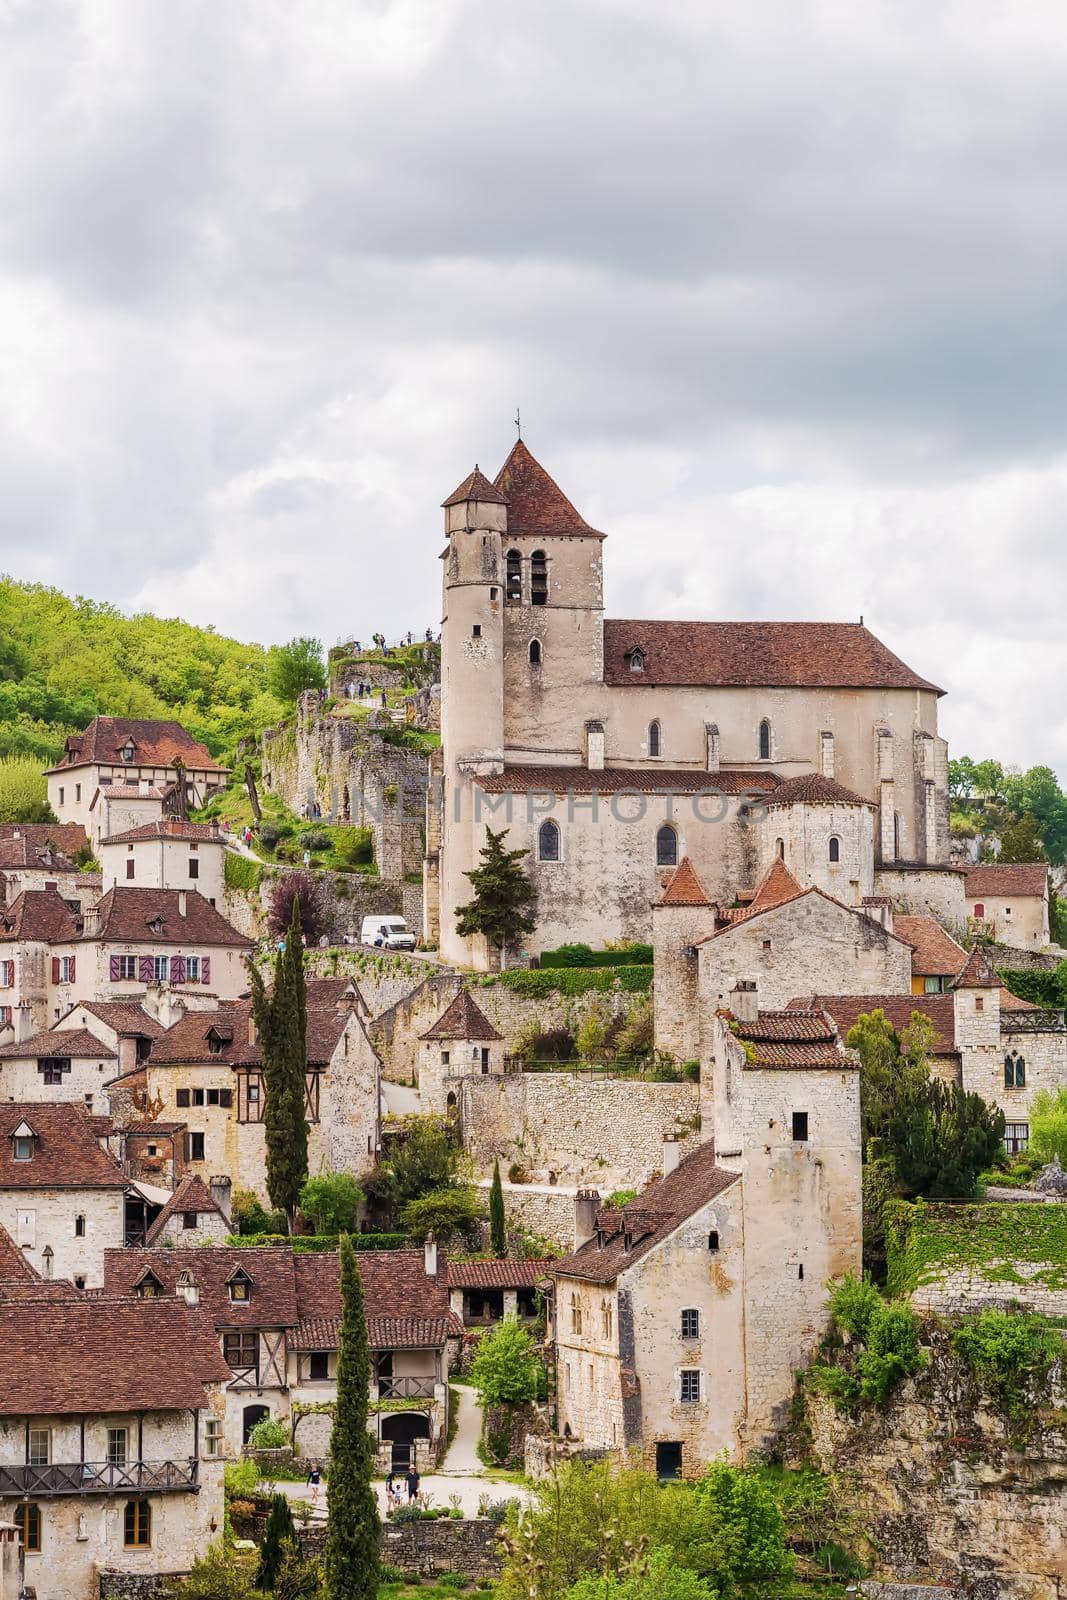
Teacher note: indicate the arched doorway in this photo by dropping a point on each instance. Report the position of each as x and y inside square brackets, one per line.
[402, 1428]
[250, 1416]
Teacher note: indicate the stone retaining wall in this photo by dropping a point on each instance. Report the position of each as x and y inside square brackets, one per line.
[467, 1545]
[961, 1292]
[138, 1585]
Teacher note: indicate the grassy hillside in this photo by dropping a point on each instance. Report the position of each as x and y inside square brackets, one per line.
[64, 661]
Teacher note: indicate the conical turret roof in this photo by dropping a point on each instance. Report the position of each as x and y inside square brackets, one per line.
[475, 486]
[684, 888]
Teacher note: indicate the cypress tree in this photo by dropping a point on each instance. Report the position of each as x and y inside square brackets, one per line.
[281, 1018]
[498, 1232]
[279, 1532]
[352, 1559]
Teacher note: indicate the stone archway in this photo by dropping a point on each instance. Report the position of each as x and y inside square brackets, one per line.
[249, 1417]
[401, 1429]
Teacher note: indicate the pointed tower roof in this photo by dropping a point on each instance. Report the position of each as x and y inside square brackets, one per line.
[462, 1020]
[535, 503]
[976, 973]
[775, 887]
[475, 486]
[684, 888]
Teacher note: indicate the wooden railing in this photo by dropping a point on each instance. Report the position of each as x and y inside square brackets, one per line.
[100, 1477]
[406, 1388]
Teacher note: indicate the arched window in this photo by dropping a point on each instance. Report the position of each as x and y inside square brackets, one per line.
[79, 1225]
[779, 849]
[1014, 1071]
[539, 578]
[653, 738]
[606, 1319]
[513, 579]
[548, 841]
[765, 740]
[47, 1258]
[636, 660]
[666, 847]
[535, 652]
[835, 848]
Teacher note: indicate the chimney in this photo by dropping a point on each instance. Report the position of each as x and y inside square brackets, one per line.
[127, 1053]
[220, 1186]
[190, 1290]
[252, 1034]
[182, 898]
[744, 1000]
[90, 921]
[169, 1007]
[671, 1156]
[430, 1256]
[586, 1205]
[23, 1021]
[143, 786]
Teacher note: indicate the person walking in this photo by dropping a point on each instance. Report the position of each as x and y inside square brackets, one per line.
[315, 1483]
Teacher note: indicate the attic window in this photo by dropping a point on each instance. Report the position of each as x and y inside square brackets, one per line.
[22, 1142]
[636, 660]
[149, 1287]
[156, 926]
[240, 1287]
[128, 751]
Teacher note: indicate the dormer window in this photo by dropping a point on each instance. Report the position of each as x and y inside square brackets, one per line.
[635, 659]
[23, 1139]
[156, 926]
[149, 1287]
[240, 1287]
[128, 751]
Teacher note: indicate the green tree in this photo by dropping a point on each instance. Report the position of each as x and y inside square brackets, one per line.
[444, 1213]
[961, 778]
[352, 1563]
[504, 1366]
[652, 1577]
[23, 791]
[331, 1202]
[1048, 1126]
[279, 1532]
[503, 896]
[281, 1019]
[295, 667]
[498, 1227]
[1020, 840]
[424, 1160]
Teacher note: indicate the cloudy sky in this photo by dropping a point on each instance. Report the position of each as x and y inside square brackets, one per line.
[779, 288]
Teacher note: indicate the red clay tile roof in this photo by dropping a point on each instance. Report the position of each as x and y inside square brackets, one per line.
[898, 1008]
[66, 837]
[934, 953]
[71, 1043]
[812, 789]
[156, 744]
[189, 1040]
[14, 1267]
[66, 1152]
[124, 1017]
[683, 887]
[404, 1308]
[168, 828]
[37, 857]
[192, 1194]
[771, 655]
[462, 1020]
[614, 780]
[1013, 877]
[793, 1038]
[125, 915]
[272, 1303]
[38, 914]
[976, 973]
[130, 791]
[648, 1220]
[496, 1274]
[535, 503]
[61, 1356]
[776, 888]
[475, 486]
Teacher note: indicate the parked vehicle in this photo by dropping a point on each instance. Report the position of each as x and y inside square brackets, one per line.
[387, 932]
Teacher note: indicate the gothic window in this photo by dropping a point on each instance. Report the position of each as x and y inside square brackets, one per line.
[666, 847]
[765, 740]
[835, 848]
[653, 739]
[539, 578]
[548, 841]
[513, 580]
[606, 1319]
[1014, 1071]
[779, 849]
[636, 659]
[535, 652]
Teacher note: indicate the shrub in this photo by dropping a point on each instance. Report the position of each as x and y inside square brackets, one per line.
[581, 955]
[892, 1352]
[354, 846]
[269, 1434]
[315, 839]
[517, 1173]
[308, 890]
[218, 1575]
[853, 1302]
[331, 1202]
[504, 1367]
[270, 832]
[660, 1578]
[1008, 1350]
[620, 1197]
[1048, 1127]
[442, 1212]
[1041, 988]
[637, 1035]
[240, 1479]
[553, 1044]
[548, 981]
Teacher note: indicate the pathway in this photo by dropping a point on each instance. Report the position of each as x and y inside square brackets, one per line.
[462, 1457]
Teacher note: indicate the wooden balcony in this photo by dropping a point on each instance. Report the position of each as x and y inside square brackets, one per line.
[101, 1477]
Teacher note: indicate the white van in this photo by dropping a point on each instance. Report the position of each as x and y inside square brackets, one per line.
[387, 932]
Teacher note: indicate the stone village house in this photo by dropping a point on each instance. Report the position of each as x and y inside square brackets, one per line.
[277, 1314]
[1009, 902]
[461, 1043]
[166, 854]
[110, 1430]
[130, 752]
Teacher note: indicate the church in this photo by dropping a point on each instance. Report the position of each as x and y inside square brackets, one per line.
[611, 748]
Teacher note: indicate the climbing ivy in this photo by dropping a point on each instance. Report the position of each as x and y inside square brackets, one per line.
[926, 1241]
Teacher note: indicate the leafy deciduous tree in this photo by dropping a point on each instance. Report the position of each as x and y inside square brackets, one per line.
[331, 1202]
[295, 667]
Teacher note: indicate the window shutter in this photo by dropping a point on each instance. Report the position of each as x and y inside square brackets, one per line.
[177, 969]
[55, 969]
[182, 1097]
[205, 969]
[226, 1097]
[73, 967]
[116, 969]
[148, 969]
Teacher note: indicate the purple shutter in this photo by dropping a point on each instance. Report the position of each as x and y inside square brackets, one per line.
[148, 969]
[177, 969]
[116, 969]
[205, 969]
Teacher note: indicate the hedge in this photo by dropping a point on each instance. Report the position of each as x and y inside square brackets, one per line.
[538, 985]
[1040, 987]
[580, 955]
[309, 1243]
